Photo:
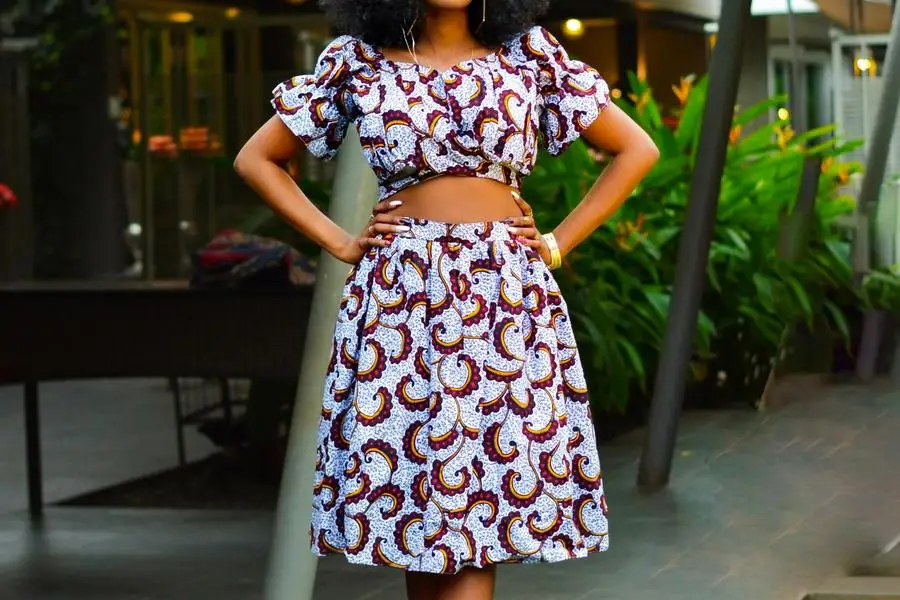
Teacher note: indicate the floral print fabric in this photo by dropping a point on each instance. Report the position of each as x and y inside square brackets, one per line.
[482, 117]
[455, 429]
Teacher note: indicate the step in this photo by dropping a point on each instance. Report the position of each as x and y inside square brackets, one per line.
[885, 564]
[857, 588]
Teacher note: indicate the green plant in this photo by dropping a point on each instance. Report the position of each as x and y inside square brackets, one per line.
[615, 285]
[618, 284]
[881, 290]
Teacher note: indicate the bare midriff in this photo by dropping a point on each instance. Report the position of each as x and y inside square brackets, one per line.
[452, 199]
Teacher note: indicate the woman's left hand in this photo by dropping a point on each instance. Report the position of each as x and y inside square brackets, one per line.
[525, 231]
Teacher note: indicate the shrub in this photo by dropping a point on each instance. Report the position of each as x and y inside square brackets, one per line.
[618, 283]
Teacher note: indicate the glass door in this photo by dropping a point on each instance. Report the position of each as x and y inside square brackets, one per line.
[814, 86]
[180, 134]
[195, 88]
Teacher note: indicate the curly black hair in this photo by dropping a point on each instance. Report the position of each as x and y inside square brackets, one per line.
[381, 22]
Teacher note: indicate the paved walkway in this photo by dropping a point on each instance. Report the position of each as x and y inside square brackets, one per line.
[762, 507]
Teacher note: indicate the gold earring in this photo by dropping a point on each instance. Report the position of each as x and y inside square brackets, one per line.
[483, 15]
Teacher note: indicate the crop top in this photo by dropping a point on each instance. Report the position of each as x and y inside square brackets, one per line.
[482, 117]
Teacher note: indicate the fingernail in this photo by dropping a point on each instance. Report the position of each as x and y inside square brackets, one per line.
[395, 203]
[516, 195]
[508, 220]
[402, 228]
[511, 229]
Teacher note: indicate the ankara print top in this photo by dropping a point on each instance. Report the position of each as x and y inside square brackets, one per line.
[482, 117]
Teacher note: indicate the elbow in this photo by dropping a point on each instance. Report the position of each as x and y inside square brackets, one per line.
[650, 151]
[642, 153]
[645, 155]
[240, 165]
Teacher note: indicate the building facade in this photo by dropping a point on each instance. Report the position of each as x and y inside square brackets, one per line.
[184, 83]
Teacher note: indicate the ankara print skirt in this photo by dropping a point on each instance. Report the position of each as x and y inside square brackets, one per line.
[455, 430]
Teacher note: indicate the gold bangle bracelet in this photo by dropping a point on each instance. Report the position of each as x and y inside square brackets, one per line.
[555, 254]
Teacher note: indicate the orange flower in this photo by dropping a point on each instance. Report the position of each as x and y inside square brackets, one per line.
[783, 136]
[640, 102]
[683, 90]
[843, 173]
[630, 233]
[735, 134]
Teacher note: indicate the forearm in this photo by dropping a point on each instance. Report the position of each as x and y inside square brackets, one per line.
[605, 197]
[278, 190]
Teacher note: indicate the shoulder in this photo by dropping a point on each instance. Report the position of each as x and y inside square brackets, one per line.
[536, 46]
[342, 46]
[536, 42]
[351, 52]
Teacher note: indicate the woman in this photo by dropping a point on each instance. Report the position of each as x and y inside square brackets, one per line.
[456, 432]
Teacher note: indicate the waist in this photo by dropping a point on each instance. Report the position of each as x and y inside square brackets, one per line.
[467, 234]
[457, 199]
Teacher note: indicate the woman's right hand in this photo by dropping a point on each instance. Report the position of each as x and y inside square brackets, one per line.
[376, 234]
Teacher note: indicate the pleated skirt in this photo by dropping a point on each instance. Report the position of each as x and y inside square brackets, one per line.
[455, 429]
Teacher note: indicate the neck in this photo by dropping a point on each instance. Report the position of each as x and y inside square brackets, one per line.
[448, 29]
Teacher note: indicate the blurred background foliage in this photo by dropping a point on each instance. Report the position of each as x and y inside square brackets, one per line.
[618, 284]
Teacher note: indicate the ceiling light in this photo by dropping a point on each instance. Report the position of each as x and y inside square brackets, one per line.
[864, 62]
[181, 17]
[573, 28]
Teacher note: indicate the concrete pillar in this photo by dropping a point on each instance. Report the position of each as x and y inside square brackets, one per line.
[292, 566]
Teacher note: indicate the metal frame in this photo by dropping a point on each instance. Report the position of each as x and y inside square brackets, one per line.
[877, 149]
[33, 451]
[693, 252]
[223, 405]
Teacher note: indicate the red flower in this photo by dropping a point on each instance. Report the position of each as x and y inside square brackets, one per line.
[671, 121]
[7, 196]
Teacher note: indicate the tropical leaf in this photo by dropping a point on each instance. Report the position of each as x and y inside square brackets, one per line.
[619, 282]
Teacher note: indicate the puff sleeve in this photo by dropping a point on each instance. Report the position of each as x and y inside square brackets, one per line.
[573, 93]
[317, 108]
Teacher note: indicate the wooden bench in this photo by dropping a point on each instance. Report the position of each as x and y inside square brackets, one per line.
[55, 331]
